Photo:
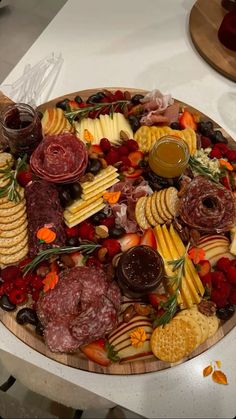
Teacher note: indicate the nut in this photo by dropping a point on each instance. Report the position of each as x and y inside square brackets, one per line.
[102, 252]
[102, 231]
[103, 163]
[42, 271]
[124, 136]
[67, 261]
[129, 313]
[142, 309]
[88, 177]
[207, 307]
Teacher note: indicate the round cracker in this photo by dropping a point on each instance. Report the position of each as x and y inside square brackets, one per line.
[12, 241]
[140, 213]
[5, 199]
[155, 213]
[6, 159]
[15, 232]
[14, 224]
[14, 217]
[170, 343]
[16, 257]
[199, 318]
[191, 336]
[6, 212]
[148, 212]
[159, 207]
[213, 323]
[17, 248]
[196, 329]
[172, 200]
[164, 208]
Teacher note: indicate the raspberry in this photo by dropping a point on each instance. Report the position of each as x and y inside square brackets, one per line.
[86, 231]
[231, 275]
[222, 147]
[93, 262]
[10, 273]
[105, 145]
[206, 280]
[72, 232]
[205, 142]
[215, 152]
[109, 221]
[112, 157]
[17, 296]
[112, 246]
[217, 279]
[20, 283]
[224, 289]
[232, 296]
[132, 145]
[123, 150]
[217, 298]
[36, 283]
[125, 161]
[231, 155]
[223, 264]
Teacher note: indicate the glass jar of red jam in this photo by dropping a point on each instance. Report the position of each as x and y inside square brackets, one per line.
[139, 271]
[21, 128]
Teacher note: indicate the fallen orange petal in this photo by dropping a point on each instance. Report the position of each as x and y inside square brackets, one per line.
[219, 377]
[207, 371]
[218, 363]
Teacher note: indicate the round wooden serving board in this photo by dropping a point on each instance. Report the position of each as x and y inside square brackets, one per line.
[77, 360]
[204, 22]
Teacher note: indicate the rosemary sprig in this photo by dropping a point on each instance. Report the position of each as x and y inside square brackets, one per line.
[10, 189]
[83, 112]
[202, 170]
[86, 247]
[170, 306]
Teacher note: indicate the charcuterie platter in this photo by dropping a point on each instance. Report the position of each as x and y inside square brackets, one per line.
[117, 230]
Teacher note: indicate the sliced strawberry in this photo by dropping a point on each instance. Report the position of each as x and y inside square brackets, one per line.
[73, 104]
[203, 267]
[96, 352]
[148, 239]
[155, 299]
[24, 177]
[96, 149]
[132, 173]
[113, 247]
[135, 157]
[129, 240]
[186, 120]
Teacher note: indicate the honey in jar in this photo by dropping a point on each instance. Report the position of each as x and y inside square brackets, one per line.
[169, 157]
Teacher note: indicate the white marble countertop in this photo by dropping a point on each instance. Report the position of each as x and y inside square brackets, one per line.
[145, 45]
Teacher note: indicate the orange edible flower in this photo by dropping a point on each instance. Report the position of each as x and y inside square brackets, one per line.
[88, 136]
[207, 371]
[112, 197]
[196, 254]
[226, 164]
[138, 337]
[50, 281]
[45, 235]
[219, 377]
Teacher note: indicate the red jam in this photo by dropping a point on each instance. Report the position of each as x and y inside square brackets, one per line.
[139, 271]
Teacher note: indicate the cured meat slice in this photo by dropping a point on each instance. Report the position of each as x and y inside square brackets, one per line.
[60, 158]
[58, 337]
[94, 286]
[43, 210]
[208, 206]
[114, 294]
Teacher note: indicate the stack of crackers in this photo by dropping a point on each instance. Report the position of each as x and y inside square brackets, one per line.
[183, 334]
[147, 136]
[158, 208]
[91, 200]
[13, 222]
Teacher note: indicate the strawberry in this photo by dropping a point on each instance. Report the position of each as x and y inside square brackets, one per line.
[135, 157]
[129, 240]
[231, 275]
[132, 173]
[155, 299]
[72, 232]
[186, 120]
[223, 264]
[86, 231]
[24, 177]
[203, 267]
[96, 352]
[205, 142]
[132, 145]
[148, 239]
[113, 247]
[112, 157]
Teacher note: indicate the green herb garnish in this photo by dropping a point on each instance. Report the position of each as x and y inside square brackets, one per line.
[197, 166]
[83, 112]
[10, 175]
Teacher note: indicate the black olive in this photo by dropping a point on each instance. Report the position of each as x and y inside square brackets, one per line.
[39, 329]
[27, 315]
[65, 197]
[136, 99]
[5, 303]
[116, 232]
[226, 312]
[134, 122]
[95, 166]
[96, 219]
[175, 125]
[63, 104]
[72, 241]
[217, 137]
[75, 190]
[78, 99]
[95, 98]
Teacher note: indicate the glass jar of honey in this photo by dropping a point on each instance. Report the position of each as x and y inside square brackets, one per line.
[21, 128]
[169, 157]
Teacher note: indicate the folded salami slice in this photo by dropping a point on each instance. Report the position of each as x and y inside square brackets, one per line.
[60, 158]
[208, 206]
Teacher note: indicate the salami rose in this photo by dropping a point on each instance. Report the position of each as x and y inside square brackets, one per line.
[208, 206]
